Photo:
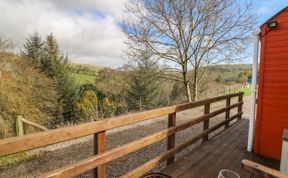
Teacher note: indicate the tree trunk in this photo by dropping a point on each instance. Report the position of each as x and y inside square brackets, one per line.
[195, 92]
[188, 92]
[187, 87]
[195, 86]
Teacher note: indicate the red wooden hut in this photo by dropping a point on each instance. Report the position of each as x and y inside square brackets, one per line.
[272, 104]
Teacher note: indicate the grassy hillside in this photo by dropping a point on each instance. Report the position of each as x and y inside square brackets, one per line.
[247, 91]
[82, 77]
[90, 67]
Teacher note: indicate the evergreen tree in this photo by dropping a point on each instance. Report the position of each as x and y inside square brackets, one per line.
[53, 62]
[145, 86]
[177, 91]
[47, 57]
[33, 49]
[54, 65]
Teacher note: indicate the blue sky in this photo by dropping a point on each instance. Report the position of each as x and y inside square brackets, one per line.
[267, 8]
[264, 10]
[87, 30]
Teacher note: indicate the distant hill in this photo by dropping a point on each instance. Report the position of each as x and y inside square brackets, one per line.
[86, 73]
[89, 67]
[229, 67]
[229, 72]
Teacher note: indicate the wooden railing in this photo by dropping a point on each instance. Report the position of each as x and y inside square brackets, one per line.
[261, 170]
[20, 129]
[99, 128]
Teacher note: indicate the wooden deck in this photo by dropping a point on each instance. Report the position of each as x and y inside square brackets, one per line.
[224, 151]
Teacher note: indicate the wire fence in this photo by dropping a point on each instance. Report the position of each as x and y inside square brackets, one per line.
[101, 112]
[68, 117]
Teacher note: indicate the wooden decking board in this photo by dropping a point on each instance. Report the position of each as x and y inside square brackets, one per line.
[219, 153]
[224, 159]
[238, 155]
[224, 151]
[206, 157]
[198, 155]
[235, 166]
[184, 160]
[212, 162]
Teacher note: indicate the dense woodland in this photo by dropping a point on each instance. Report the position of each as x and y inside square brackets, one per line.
[40, 85]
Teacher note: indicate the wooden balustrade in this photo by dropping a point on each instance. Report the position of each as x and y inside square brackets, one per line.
[227, 114]
[20, 128]
[261, 170]
[240, 99]
[99, 147]
[99, 128]
[206, 122]
[171, 138]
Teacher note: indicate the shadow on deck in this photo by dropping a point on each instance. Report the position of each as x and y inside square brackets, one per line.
[223, 151]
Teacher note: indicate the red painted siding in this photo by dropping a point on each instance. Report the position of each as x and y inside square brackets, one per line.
[272, 106]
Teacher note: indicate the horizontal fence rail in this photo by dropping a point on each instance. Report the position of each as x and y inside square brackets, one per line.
[19, 125]
[99, 128]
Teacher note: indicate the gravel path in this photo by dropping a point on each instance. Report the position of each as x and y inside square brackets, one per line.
[63, 154]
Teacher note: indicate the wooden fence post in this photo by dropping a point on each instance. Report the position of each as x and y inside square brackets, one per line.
[19, 126]
[99, 147]
[171, 138]
[140, 104]
[227, 115]
[240, 99]
[206, 122]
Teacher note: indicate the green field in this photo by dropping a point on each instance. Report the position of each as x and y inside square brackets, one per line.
[89, 67]
[247, 91]
[83, 78]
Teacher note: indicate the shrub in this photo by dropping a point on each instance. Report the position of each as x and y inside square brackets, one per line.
[24, 91]
[108, 108]
[86, 108]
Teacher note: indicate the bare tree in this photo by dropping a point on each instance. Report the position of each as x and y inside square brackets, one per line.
[5, 44]
[189, 35]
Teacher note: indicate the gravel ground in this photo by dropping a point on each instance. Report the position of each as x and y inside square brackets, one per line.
[62, 154]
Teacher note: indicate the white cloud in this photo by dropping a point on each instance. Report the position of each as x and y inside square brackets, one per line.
[87, 36]
[114, 7]
[263, 10]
